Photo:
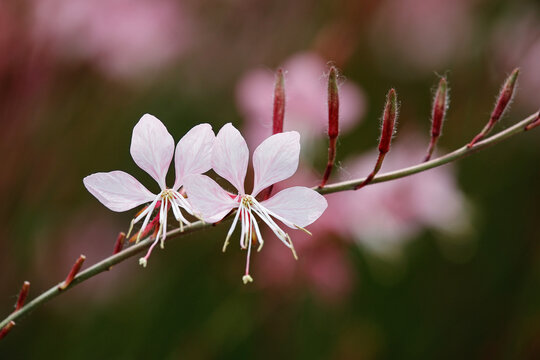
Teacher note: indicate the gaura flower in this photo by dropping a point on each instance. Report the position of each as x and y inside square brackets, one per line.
[274, 160]
[152, 149]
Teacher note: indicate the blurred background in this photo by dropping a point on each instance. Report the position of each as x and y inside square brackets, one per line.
[441, 265]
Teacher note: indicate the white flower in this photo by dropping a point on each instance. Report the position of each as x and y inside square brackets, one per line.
[152, 149]
[274, 160]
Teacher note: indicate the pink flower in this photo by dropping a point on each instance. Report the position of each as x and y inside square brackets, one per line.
[123, 38]
[324, 266]
[382, 216]
[306, 108]
[422, 34]
[152, 149]
[516, 42]
[274, 160]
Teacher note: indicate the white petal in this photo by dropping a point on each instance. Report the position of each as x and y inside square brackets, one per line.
[275, 159]
[230, 156]
[117, 190]
[152, 147]
[207, 198]
[298, 205]
[194, 153]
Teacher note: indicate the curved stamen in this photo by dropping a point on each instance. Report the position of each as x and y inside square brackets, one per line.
[258, 233]
[147, 218]
[231, 230]
[164, 223]
[149, 209]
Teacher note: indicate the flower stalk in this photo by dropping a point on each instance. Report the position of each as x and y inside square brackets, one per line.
[7, 323]
[503, 100]
[333, 122]
[387, 132]
[438, 113]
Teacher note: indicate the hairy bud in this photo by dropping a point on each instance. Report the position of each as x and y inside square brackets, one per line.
[279, 103]
[387, 132]
[333, 122]
[438, 113]
[503, 100]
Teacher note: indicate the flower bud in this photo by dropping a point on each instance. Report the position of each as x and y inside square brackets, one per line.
[333, 122]
[387, 132]
[389, 119]
[279, 103]
[504, 98]
[438, 112]
[333, 103]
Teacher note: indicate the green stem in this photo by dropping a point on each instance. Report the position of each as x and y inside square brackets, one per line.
[131, 251]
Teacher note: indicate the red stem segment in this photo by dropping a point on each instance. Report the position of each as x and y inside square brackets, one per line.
[333, 122]
[6, 329]
[119, 243]
[534, 124]
[504, 98]
[22, 295]
[387, 132]
[74, 270]
[438, 112]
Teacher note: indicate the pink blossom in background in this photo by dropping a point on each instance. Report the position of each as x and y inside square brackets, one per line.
[122, 38]
[322, 260]
[306, 109]
[423, 34]
[516, 42]
[382, 216]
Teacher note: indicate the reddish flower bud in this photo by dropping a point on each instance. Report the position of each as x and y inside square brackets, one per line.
[119, 243]
[389, 120]
[279, 103]
[438, 112]
[278, 116]
[333, 103]
[22, 295]
[73, 272]
[505, 96]
[333, 122]
[387, 132]
[6, 329]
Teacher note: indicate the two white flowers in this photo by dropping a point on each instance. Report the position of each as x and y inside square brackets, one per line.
[274, 160]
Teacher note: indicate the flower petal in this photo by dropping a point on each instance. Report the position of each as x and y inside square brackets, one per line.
[194, 153]
[207, 198]
[230, 156]
[298, 205]
[117, 190]
[152, 147]
[275, 159]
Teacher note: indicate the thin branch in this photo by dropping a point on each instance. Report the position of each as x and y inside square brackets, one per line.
[131, 251]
